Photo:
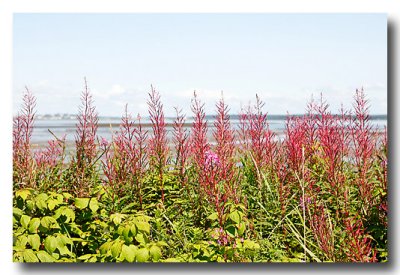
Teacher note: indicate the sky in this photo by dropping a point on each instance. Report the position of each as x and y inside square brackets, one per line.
[284, 58]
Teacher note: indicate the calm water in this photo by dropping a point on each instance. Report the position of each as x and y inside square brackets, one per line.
[108, 125]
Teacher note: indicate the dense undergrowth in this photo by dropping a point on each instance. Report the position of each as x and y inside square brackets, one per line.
[318, 195]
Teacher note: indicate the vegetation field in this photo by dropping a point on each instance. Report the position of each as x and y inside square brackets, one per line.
[317, 195]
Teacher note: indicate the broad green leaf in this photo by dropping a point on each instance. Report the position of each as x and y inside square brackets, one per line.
[140, 238]
[231, 230]
[235, 217]
[64, 250]
[143, 227]
[126, 231]
[21, 241]
[105, 247]
[50, 244]
[250, 245]
[63, 239]
[155, 253]
[116, 249]
[129, 253]
[29, 256]
[40, 201]
[34, 241]
[85, 257]
[65, 211]
[213, 216]
[23, 193]
[81, 203]
[117, 218]
[162, 243]
[51, 204]
[34, 225]
[241, 228]
[67, 195]
[17, 213]
[49, 222]
[45, 257]
[42, 196]
[93, 204]
[142, 255]
[30, 205]
[25, 221]
[133, 230]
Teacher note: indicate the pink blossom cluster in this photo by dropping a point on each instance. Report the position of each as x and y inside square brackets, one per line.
[211, 159]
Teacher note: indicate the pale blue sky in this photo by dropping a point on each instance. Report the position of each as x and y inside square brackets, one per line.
[283, 57]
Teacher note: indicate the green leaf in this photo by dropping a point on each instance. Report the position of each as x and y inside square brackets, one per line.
[133, 230]
[162, 243]
[62, 240]
[21, 241]
[117, 218]
[42, 197]
[129, 253]
[34, 225]
[94, 204]
[85, 257]
[235, 217]
[126, 231]
[81, 203]
[105, 247]
[23, 193]
[45, 257]
[67, 196]
[51, 204]
[41, 204]
[143, 227]
[50, 244]
[140, 238]
[30, 205]
[116, 249]
[155, 253]
[241, 228]
[29, 256]
[49, 223]
[142, 255]
[213, 216]
[17, 213]
[34, 241]
[65, 211]
[25, 221]
[250, 245]
[231, 230]
[64, 250]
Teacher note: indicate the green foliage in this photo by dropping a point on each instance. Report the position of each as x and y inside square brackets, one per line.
[78, 230]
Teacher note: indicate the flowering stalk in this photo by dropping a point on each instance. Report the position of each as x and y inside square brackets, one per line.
[49, 163]
[364, 145]
[181, 144]
[52, 155]
[333, 144]
[225, 150]
[85, 143]
[22, 132]
[256, 136]
[359, 247]
[158, 144]
[119, 157]
[199, 143]
[140, 137]
[322, 229]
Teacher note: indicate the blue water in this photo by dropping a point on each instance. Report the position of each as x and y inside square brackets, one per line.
[61, 127]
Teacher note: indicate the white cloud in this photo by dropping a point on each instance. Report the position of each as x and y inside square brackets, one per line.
[116, 90]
